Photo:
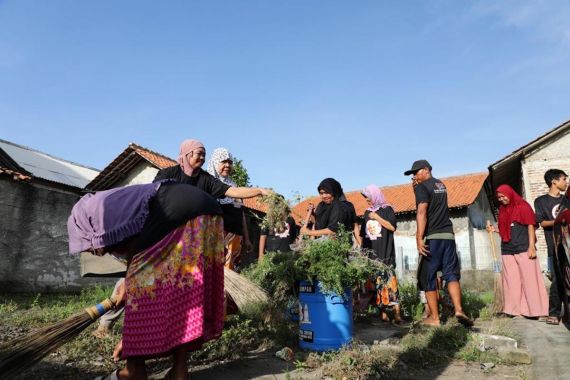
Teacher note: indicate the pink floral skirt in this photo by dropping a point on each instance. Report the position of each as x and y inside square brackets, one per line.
[175, 290]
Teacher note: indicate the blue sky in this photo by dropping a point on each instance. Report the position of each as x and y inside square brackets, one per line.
[299, 90]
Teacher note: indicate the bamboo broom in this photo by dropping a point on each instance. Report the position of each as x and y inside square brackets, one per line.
[498, 301]
[25, 351]
[244, 292]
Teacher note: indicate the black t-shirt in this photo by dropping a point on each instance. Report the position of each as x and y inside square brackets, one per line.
[204, 180]
[233, 218]
[434, 192]
[173, 206]
[281, 240]
[378, 238]
[330, 216]
[546, 208]
[518, 242]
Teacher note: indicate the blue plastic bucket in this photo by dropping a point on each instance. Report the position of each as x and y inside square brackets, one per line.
[325, 321]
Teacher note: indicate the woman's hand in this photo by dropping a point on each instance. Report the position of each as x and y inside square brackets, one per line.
[373, 215]
[491, 228]
[532, 252]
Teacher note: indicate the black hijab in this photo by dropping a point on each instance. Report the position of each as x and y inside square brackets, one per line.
[323, 211]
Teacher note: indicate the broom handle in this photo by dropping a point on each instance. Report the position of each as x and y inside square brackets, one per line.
[98, 310]
[493, 248]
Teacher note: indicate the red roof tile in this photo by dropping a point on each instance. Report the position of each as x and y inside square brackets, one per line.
[14, 174]
[255, 204]
[461, 190]
[157, 159]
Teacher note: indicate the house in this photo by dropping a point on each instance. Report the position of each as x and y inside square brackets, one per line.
[38, 192]
[469, 208]
[524, 169]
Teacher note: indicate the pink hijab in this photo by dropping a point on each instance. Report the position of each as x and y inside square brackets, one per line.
[187, 147]
[376, 197]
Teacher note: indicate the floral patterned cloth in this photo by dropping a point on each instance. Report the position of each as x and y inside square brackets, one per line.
[386, 286]
[175, 290]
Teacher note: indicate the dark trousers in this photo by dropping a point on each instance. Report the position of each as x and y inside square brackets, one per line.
[554, 296]
[557, 293]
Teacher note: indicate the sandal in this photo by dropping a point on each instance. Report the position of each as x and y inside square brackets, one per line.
[552, 320]
[464, 320]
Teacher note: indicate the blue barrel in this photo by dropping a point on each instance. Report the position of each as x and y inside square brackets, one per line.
[325, 321]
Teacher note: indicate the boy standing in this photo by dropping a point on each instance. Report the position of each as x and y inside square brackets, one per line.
[546, 208]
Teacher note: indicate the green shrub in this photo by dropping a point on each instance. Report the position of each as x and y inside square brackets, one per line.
[410, 304]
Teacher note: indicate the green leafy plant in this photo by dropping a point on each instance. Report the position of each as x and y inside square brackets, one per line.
[239, 173]
[278, 210]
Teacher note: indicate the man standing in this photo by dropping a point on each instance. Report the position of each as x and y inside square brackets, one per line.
[546, 208]
[436, 242]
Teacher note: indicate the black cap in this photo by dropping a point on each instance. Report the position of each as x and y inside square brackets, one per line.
[417, 165]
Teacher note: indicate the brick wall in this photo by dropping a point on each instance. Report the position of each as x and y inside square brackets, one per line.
[553, 155]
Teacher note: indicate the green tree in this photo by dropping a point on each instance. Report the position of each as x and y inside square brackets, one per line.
[239, 173]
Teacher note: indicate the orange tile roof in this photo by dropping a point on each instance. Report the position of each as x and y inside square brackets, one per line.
[157, 159]
[15, 174]
[255, 204]
[461, 191]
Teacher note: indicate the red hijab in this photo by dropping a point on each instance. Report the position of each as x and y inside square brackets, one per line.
[518, 210]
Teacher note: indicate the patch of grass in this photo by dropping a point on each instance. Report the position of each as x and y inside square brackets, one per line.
[425, 346]
[501, 326]
[473, 303]
[359, 362]
[410, 304]
[22, 313]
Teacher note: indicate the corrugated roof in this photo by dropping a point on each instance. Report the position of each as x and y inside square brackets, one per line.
[47, 167]
[461, 192]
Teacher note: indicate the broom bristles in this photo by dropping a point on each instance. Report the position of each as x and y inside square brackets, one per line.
[498, 299]
[21, 353]
[244, 292]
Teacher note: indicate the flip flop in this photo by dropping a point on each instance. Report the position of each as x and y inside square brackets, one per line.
[464, 320]
[552, 320]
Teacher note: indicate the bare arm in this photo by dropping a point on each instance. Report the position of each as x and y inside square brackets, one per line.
[421, 221]
[547, 223]
[356, 233]
[262, 240]
[246, 192]
[531, 242]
